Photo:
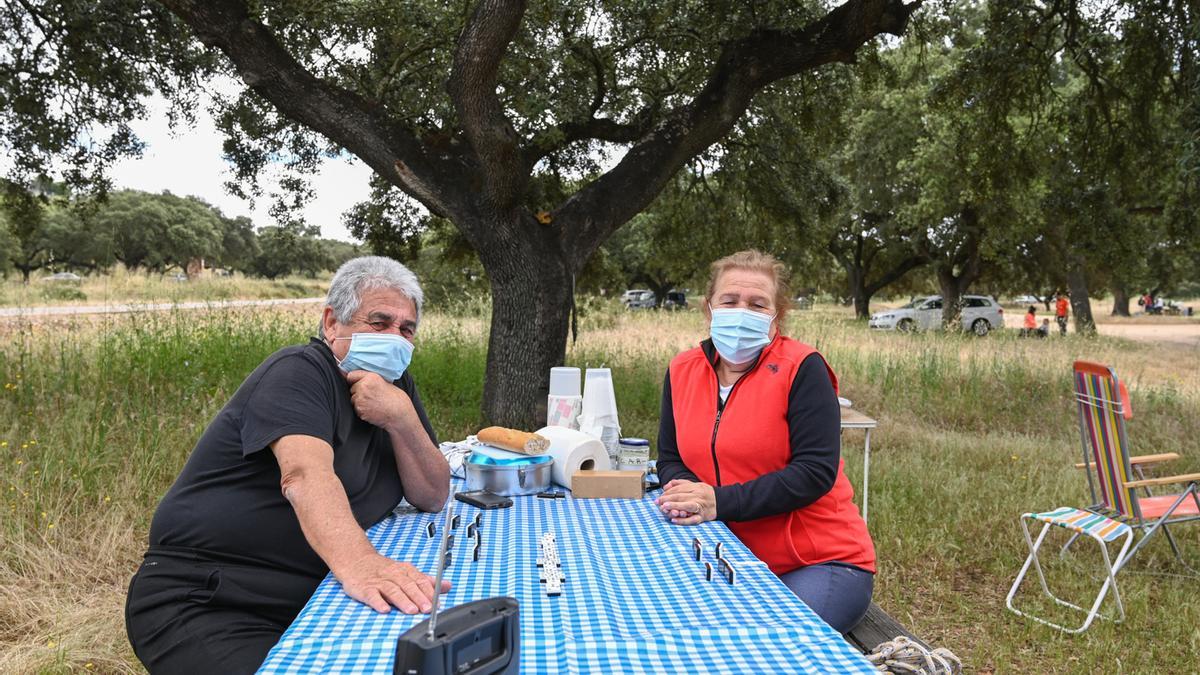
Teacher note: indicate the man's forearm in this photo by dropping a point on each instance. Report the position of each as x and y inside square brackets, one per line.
[323, 510]
[423, 470]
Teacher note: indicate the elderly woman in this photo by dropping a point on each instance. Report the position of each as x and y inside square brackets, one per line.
[750, 434]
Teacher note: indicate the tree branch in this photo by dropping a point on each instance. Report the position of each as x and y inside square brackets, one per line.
[472, 88]
[341, 115]
[744, 67]
[597, 128]
[894, 274]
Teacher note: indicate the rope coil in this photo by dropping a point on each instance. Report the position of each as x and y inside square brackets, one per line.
[902, 656]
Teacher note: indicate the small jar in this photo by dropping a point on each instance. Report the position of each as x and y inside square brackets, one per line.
[634, 454]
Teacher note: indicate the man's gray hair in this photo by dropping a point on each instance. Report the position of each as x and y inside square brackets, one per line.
[358, 275]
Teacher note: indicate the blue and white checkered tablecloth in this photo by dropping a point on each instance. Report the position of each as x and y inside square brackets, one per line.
[635, 599]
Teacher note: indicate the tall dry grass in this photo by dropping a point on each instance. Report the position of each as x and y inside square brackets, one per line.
[123, 286]
[97, 415]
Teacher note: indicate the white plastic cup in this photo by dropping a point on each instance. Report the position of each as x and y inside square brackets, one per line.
[564, 381]
[563, 411]
[599, 400]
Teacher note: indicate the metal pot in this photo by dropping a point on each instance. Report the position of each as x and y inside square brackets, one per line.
[510, 481]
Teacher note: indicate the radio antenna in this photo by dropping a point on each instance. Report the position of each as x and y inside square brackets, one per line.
[441, 563]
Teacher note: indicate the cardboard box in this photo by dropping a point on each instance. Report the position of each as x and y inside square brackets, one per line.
[611, 484]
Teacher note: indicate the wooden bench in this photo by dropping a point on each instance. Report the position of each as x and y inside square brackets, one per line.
[877, 627]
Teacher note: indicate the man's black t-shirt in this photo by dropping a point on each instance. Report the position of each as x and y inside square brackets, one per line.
[227, 502]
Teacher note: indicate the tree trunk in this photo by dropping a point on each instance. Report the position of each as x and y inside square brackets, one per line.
[1120, 300]
[862, 303]
[531, 303]
[961, 268]
[856, 281]
[1081, 304]
[952, 288]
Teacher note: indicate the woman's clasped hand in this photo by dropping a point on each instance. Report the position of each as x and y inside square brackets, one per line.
[688, 503]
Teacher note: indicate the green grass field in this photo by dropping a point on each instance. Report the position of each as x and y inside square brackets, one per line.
[98, 415]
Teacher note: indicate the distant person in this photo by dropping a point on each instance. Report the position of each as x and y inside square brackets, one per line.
[774, 474]
[320, 442]
[1044, 330]
[1061, 308]
[1030, 326]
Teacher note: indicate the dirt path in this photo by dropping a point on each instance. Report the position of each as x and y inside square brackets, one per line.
[1187, 335]
[1167, 330]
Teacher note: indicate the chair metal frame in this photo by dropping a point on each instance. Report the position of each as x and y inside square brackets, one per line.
[1110, 580]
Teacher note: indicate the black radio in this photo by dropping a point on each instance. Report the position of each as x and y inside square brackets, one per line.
[478, 638]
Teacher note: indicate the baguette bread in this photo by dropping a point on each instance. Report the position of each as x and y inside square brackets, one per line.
[514, 440]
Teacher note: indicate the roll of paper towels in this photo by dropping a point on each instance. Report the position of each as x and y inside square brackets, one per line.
[574, 450]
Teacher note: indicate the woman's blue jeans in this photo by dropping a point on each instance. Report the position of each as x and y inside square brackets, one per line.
[839, 593]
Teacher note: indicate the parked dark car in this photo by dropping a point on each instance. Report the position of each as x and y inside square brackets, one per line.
[675, 300]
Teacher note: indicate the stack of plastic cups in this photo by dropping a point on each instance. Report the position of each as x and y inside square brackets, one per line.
[564, 403]
[599, 416]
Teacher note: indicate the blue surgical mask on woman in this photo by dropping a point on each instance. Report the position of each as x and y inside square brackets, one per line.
[740, 334]
[385, 354]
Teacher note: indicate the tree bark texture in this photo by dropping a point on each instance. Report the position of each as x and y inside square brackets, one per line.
[1120, 300]
[479, 180]
[1081, 304]
[860, 297]
[531, 285]
[952, 287]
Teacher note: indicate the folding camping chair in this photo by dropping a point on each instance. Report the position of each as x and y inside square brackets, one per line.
[1117, 509]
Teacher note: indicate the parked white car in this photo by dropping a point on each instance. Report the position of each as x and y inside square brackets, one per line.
[60, 277]
[638, 299]
[981, 314]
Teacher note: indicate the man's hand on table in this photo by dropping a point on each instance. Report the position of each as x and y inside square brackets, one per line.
[382, 583]
[688, 503]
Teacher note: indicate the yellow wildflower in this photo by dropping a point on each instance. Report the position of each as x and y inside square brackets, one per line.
[50, 526]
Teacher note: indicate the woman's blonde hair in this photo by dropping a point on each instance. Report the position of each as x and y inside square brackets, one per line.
[755, 261]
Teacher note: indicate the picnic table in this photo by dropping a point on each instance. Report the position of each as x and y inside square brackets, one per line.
[635, 599]
[853, 419]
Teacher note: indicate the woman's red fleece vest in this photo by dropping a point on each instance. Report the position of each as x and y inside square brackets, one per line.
[752, 439]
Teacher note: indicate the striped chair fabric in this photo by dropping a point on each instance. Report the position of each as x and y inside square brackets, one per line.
[1083, 522]
[1103, 407]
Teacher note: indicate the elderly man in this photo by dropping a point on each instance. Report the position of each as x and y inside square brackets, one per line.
[320, 442]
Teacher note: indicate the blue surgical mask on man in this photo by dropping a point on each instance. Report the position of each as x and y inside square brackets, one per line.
[740, 334]
[385, 354]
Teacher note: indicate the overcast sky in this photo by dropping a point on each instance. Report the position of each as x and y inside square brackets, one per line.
[188, 162]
